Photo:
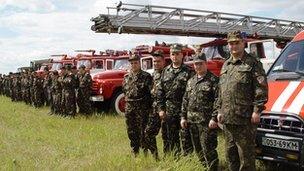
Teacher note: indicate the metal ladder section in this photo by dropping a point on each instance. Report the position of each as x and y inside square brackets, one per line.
[153, 19]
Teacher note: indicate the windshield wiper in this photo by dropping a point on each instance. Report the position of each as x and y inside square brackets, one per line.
[281, 70]
[300, 72]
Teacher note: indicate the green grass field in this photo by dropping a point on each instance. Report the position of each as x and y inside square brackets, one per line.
[30, 139]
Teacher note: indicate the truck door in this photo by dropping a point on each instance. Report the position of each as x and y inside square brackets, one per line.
[109, 64]
[98, 64]
[265, 50]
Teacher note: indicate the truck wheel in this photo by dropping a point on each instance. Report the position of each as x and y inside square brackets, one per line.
[118, 103]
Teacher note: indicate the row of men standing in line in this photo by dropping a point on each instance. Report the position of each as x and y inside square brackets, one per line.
[189, 107]
[61, 91]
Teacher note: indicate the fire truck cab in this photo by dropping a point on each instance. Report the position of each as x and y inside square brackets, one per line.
[280, 134]
[63, 60]
[96, 63]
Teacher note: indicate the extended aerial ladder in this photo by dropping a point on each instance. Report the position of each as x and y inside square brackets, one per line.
[153, 19]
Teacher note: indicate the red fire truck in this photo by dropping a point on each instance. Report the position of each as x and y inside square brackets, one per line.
[107, 85]
[280, 136]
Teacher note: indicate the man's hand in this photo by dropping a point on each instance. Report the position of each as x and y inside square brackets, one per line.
[212, 124]
[220, 118]
[162, 115]
[183, 123]
[255, 118]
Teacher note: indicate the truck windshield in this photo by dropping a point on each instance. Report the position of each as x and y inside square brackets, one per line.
[42, 67]
[291, 60]
[216, 52]
[121, 64]
[56, 66]
[87, 63]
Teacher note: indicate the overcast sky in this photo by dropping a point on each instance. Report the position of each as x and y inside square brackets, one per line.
[35, 29]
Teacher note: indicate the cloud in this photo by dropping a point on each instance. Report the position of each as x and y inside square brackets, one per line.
[29, 5]
[45, 27]
[294, 11]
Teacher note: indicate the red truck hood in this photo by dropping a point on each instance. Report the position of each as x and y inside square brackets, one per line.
[110, 74]
[286, 97]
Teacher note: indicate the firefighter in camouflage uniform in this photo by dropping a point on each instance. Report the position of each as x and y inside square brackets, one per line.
[84, 91]
[56, 90]
[69, 93]
[198, 109]
[154, 122]
[243, 92]
[137, 86]
[169, 100]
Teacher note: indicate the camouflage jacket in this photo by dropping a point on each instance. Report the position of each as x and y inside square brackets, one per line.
[31, 80]
[156, 83]
[172, 88]
[1, 82]
[16, 83]
[242, 89]
[56, 87]
[199, 98]
[137, 86]
[85, 81]
[69, 82]
[26, 82]
[37, 83]
[47, 82]
[22, 83]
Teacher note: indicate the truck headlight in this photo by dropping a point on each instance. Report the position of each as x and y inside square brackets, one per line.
[292, 156]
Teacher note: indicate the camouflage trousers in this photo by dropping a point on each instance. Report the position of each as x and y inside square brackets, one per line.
[27, 96]
[37, 98]
[240, 146]
[205, 144]
[13, 95]
[174, 137]
[83, 101]
[136, 120]
[187, 143]
[68, 103]
[170, 128]
[56, 103]
[32, 98]
[47, 95]
[19, 95]
[151, 131]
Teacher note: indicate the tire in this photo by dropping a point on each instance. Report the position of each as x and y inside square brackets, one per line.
[118, 103]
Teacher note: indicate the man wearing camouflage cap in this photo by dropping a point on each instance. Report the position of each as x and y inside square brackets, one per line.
[56, 89]
[169, 99]
[154, 122]
[243, 92]
[37, 90]
[84, 91]
[198, 110]
[68, 93]
[137, 86]
[47, 81]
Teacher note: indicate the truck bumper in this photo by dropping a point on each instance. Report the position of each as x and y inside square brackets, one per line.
[97, 98]
[277, 147]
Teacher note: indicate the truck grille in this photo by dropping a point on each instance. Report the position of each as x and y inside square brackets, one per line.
[95, 87]
[284, 123]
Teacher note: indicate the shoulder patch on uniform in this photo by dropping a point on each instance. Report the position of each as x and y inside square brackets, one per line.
[262, 80]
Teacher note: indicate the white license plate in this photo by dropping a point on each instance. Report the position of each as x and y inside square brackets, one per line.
[282, 144]
[97, 98]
